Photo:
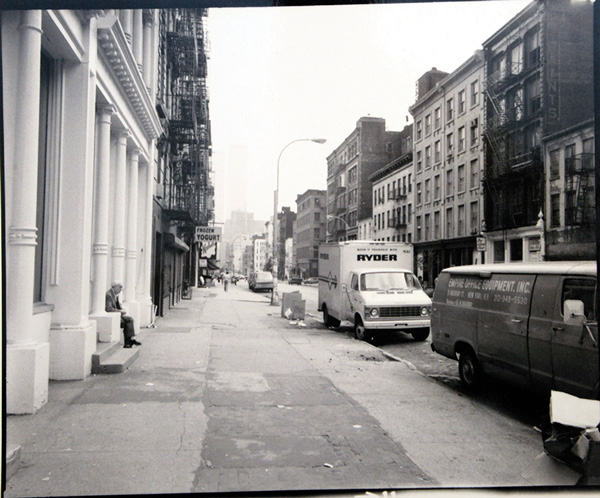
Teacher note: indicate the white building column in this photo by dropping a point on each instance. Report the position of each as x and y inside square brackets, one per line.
[126, 17]
[120, 208]
[108, 324]
[27, 361]
[148, 44]
[70, 208]
[130, 304]
[138, 37]
[145, 227]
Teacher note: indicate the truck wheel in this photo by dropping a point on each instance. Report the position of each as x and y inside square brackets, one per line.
[420, 334]
[361, 333]
[469, 369]
[328, 320]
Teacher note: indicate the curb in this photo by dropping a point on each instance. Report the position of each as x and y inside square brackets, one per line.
[13, 460]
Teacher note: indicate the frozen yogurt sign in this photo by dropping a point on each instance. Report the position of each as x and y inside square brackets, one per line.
[208, 235]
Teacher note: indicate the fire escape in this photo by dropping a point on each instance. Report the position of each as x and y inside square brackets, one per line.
[513, 175]
[579, 186]
[188, 189]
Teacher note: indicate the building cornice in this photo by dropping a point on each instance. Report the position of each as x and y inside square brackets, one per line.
[115, 50]
[391, 167]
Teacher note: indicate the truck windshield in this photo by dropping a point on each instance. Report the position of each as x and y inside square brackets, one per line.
[386, 281]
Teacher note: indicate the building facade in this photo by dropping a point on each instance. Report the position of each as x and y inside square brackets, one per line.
[78, 89]
[448, 157]
[259, 254]
[538, 86]
[570, 203]
[349, 192]
[393, 201]
[183, 190]
[310, 231]
[285, 227]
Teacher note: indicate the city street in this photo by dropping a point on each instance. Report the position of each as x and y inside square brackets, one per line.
[229, 396]
[521, 405]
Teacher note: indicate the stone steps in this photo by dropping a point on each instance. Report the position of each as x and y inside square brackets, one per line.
[113, 358]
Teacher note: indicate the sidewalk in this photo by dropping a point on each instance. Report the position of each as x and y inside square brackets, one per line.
[228, 396]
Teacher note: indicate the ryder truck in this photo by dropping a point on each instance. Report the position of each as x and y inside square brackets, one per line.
[371, 285]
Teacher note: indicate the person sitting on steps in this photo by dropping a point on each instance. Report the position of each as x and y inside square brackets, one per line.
[113, 304]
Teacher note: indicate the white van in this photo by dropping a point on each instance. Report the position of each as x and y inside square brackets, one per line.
[530, 323]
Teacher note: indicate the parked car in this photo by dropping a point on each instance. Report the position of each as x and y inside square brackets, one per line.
[263, 280]
[295, 279]
[311, 280]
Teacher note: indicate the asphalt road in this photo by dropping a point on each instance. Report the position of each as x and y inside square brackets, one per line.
[524, 406]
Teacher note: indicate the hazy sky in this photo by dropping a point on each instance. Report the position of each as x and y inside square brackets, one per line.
[280, 74]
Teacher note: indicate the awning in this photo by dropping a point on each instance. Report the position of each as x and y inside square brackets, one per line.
[175, 242]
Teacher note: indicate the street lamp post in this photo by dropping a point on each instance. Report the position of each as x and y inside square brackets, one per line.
[275, 224]
[331, 217]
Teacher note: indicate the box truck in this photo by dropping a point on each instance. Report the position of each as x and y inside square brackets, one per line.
[371, 285]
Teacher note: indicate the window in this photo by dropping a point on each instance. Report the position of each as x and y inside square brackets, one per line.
[516, 59]
[498, 251]
[534, 100]
[436, 225]
[461, 139]
[554, 164]
[532, 47]
[418, 228]
[449, 223]
[389, 191]
[474, 215]
[516, 249]
[450, 109]
[410, 213]
[428, 157]
[419, 199]
[419, 130]
[461, 220]
[428, 125]
[474, 173]
[436, 188]
[317, 217]
[317, 233]
[353, 174]
[581, 289]
[474, 132]
[449, 183]
[555, 210]
[462, 102]
[569, 159]
[475, 92]
[427, 223]
[419, 161]
[410, 182]
[449, 143]
[461, 178]
[437, 152]
[428, 190]
[437, 118]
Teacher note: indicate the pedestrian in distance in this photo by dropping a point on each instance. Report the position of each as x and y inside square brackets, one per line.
[226, 281]
[113, 304]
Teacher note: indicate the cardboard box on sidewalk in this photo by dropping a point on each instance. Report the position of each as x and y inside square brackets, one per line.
[287, 302]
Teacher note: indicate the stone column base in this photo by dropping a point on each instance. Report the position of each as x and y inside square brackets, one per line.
[27, 374]
[146, 315]
[132, 309]
[71, 349]
[108, 326]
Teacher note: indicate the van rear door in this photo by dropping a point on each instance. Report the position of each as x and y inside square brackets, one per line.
[575, 358]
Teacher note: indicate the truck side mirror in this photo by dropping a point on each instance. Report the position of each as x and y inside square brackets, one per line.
[573, 312]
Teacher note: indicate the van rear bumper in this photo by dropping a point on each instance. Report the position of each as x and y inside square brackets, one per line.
[397, 324]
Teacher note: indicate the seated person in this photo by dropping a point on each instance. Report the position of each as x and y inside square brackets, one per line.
[113, 304]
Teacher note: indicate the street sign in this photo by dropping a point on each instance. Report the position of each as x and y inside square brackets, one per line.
[208, 234]
[481, 244]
